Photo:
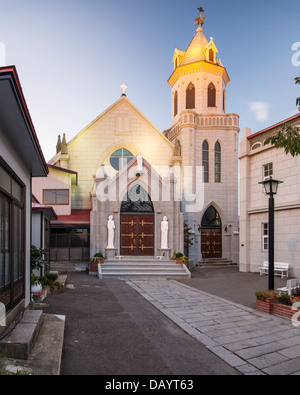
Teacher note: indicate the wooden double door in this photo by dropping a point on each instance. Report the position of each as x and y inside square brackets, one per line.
[137, 234]
[211, 243]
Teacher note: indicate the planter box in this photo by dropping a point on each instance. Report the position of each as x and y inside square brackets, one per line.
[272, 306]
[185, 261]
[267, 305]
[93, 269]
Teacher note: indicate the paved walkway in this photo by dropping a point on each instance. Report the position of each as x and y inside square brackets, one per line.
[250, 341]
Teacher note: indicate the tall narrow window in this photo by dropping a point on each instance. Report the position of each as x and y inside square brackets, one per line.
[175, 104]
[211, 95]
[211, 55]
[205, 161]
[190, 96]
[217, 162]
[265, 237]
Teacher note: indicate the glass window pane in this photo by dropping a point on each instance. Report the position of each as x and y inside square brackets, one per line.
[62, 197]
[7, 226]
[49, 197]
[1, 242]
[16, 243]
[17, 191]
[62, 241]
[5, 180]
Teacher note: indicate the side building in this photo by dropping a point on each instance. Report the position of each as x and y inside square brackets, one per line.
[21, 159]
[257, 163]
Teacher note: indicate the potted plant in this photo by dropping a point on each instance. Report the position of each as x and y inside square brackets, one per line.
[97, 259]
[180, 258]
[37, 263]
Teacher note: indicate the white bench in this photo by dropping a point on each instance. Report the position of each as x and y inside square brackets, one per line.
[280, 269]
[290, 286]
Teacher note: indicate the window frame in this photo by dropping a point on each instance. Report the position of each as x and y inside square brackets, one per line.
[56, 204]
[205, 162]
[12, 271]
[218, 163]
[211, 95]
[190, 97]
[265, 236]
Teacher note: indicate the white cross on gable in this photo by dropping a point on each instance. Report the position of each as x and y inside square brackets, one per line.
[123, 87]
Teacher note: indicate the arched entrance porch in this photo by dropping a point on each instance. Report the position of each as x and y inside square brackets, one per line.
[137, 223]
[211, 234]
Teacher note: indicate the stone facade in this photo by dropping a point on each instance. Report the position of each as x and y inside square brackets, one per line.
[173, 160]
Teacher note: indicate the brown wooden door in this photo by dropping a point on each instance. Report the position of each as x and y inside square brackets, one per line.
[211, 243]
[137, 235]
[145, 235]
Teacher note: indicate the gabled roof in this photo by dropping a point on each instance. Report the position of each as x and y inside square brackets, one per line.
[123, 99]
[17, 124]
[274, 126]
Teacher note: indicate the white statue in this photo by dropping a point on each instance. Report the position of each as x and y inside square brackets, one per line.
[164, 233]
[111, 232]
[139, 162]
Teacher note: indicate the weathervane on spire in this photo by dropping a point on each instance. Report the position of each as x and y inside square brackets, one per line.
[200, 21]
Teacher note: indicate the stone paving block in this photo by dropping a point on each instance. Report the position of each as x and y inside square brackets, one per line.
[227, 356]
[259, 350]
[291, 352]
[241, 345]
[267, 360]
[284, 368]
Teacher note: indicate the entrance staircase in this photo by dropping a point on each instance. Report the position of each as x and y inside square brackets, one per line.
[142, 268]
[215, 262]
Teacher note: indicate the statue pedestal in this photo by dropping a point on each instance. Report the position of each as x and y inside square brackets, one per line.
[166, 252]
[110, 253]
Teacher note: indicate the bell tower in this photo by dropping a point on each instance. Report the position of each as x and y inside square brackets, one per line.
[199, 79]
[208, 139]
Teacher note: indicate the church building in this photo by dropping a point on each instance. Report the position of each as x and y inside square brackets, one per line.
[124, 188]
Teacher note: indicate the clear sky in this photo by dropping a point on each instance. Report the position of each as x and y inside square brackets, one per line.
[73, 55]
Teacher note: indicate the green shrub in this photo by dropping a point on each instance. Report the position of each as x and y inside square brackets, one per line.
[263, 295]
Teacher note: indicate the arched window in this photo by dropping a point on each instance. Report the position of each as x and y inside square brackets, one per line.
[120, 158]
[137, 200]
[211, 95]
[205, 160]
[190, 96]
[211, 55]
[175, 104]
[218, 157]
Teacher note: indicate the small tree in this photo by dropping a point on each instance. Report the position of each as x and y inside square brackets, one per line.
[288, 137]
[37, 262]
[188, 238]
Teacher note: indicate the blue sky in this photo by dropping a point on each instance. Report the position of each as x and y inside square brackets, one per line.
[73, 55]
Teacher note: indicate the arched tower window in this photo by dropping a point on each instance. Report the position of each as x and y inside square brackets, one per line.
[205, 160]
[211, 55]
[218, 157]
[211, 95]
[190, 96]
[175, 104]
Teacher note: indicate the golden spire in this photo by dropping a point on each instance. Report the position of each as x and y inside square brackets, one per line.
[200, 21]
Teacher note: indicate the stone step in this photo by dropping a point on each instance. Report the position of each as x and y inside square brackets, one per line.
[20, 342]
[141, 269]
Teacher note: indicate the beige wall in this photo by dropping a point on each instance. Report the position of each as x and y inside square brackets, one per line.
[55, 180]
[254, 205]
[121, 126]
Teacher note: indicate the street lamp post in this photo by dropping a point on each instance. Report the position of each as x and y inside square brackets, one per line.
[271, 187]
